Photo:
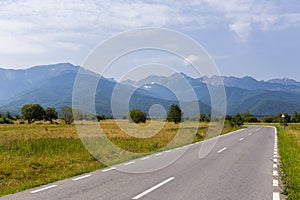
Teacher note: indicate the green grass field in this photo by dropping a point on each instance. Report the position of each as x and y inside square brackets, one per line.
[289, 150]
[36, 154]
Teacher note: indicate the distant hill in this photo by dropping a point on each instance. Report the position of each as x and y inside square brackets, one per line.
[260, 98]
[52, 86]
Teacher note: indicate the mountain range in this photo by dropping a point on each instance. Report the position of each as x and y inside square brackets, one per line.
[52, 86]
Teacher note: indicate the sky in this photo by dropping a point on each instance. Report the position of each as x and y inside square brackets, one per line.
[258, 38]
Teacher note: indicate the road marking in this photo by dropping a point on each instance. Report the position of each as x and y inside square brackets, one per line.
[129, 163]
[145, 158]
[275, 160]
[274, 166]
[276, 196]
[109, 169]
[158, 154]
[168, 151]
[241, 139]
[42, 189]
[222, 150]
[275, 183]
[81, 177]
[153, 188]
[275, 173]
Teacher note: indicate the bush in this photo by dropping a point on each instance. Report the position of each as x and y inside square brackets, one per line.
[137, 116]
[237, 121]
[268, 119]
[5, 120]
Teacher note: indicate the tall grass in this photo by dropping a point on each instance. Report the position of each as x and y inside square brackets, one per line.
[289, 150]
[36, 154]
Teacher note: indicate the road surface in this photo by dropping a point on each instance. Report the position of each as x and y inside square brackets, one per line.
[239, 167]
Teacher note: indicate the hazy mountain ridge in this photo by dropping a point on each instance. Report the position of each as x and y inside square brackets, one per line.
[52, 85]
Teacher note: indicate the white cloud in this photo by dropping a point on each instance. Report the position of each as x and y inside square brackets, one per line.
[37, 26]
[241, 29]
[191, 59]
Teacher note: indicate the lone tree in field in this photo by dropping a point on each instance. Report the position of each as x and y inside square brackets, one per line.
[32, 112]
[175, 114]
[67, 114]
[50, 114]
[137, 116]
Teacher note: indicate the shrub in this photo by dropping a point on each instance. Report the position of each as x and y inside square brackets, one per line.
[5, 120]
[137, 116]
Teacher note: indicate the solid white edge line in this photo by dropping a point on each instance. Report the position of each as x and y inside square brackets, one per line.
[108, 169]
[158, 154]
[153, 188]
[275, 183]
[276, 196]
[81, 177]
[42, 189]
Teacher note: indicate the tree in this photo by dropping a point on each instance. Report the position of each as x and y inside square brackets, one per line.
[296, 117]
[247, 117]
[5, 120]
[67, 114]
[90, 117]
[50, 114]
[237, 120]
[101, 117]
[77, 114]
[174, 114]
[137, 116]
[32, 112]
[202, 117]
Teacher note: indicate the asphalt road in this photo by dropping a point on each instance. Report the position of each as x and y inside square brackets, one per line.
[239, 167]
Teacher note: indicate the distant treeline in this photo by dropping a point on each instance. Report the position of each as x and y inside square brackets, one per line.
[35, 112]
[247, 117]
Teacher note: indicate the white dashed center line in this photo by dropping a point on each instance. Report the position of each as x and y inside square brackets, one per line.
[153, 188]
[109, 169]
[42, 189]
[129, 163]
[145, 158]
[222, 150]
[81, 177]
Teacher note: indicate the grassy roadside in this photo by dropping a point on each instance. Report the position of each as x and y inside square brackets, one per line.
[36, 154]
[289, 150]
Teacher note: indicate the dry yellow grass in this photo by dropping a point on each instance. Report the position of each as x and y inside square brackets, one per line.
[35, 154]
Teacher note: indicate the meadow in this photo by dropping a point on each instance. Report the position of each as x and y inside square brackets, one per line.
[36, 154]
[289, 150]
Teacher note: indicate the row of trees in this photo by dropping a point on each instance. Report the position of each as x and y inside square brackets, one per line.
[174, 115]
[35, 112]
